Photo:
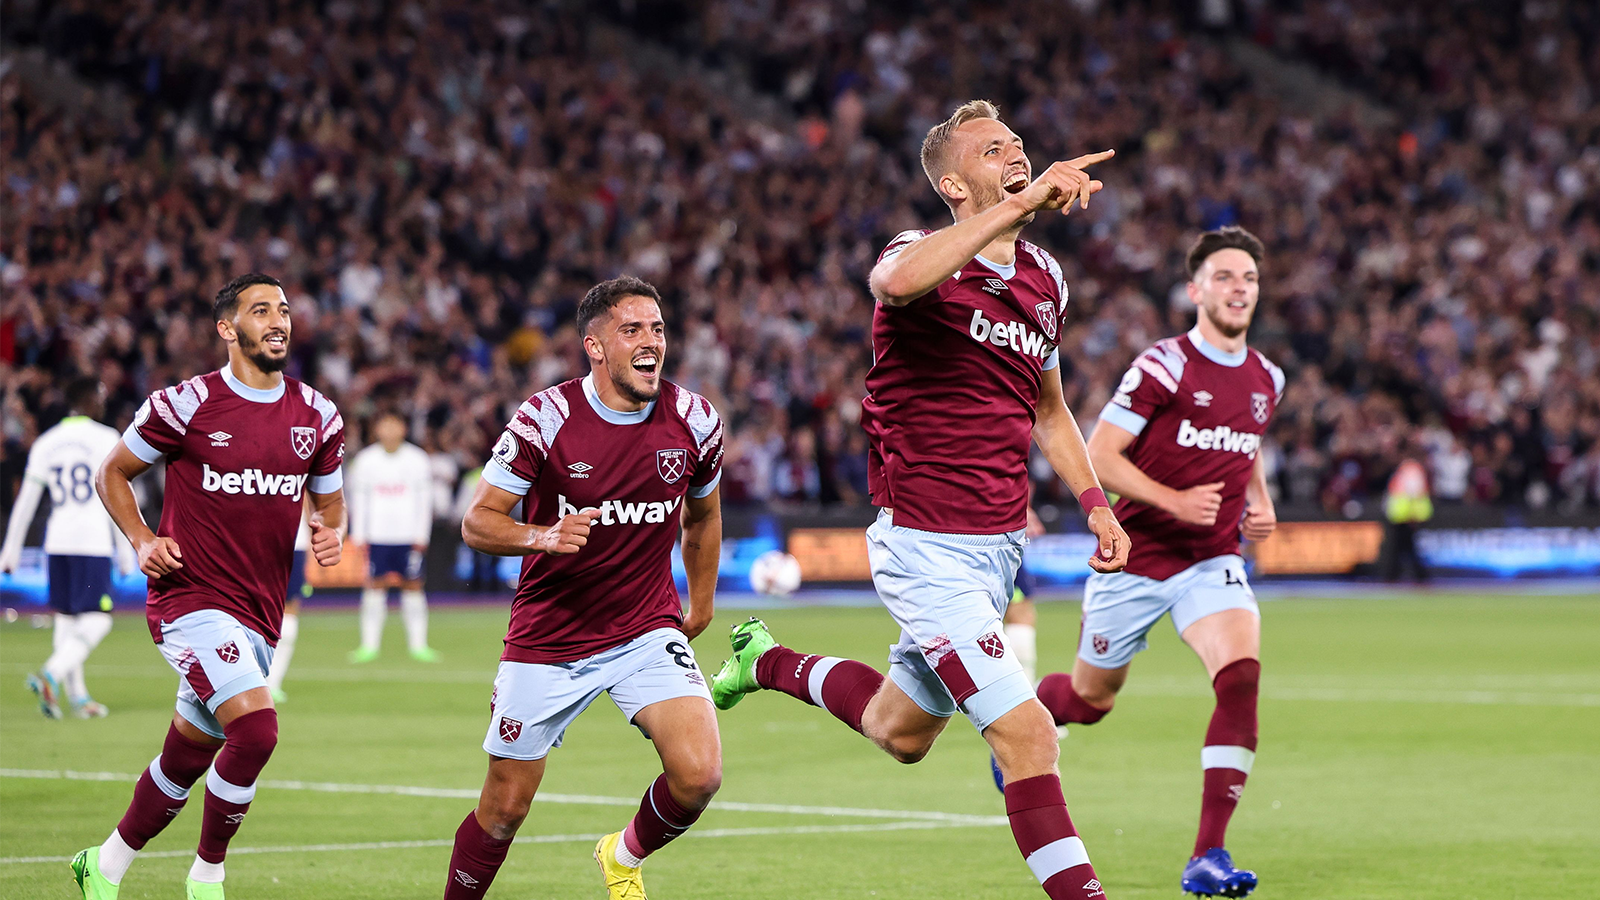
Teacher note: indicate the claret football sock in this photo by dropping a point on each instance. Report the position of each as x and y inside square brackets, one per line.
[1048, 841]
[231, 785]
[1230, 750]
[661, 818]
[843, 687]
[474, 861]
[1064, 704]
[158, 797]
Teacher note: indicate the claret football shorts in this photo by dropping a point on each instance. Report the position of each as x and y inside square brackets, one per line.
[948, 593]
[217, 659]
[1119, 609]
[534, 703]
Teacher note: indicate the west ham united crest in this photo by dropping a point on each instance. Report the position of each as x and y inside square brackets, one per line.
[1101, 644]
[672, 464]
[304, 441]
[229, 652]
[510, 730]
[1047, 317]
[992, 645]
[1258, 407]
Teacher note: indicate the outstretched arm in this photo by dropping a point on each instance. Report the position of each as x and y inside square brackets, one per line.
[158, 556]
[702, 552]
[489, 528]
[1056, 432]
[924, 264]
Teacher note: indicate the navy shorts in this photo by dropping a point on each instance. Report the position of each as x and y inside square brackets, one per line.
[298, 588]
[394, 559]
[80, 584]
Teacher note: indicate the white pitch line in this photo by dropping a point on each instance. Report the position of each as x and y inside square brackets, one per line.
[1136, 687]
[524, 839]
[931, 816]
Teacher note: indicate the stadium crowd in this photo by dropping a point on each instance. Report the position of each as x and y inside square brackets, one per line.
[438, 183]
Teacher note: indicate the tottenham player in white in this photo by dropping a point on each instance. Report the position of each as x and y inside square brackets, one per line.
[80, 542]
[391, 506]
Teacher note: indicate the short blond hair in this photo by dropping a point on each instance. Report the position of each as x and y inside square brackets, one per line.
[936, 146]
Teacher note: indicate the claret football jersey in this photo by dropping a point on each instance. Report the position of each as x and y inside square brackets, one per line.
[239, 463]
[565, 451]
[1198, 415]
[953, 392]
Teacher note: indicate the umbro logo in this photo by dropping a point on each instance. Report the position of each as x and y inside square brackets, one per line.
[579, 469]
[465, 880]
[994, 286]
[1093, 887]
[220, 438]
[235, 818]
[1236, 792]
[1202, 398]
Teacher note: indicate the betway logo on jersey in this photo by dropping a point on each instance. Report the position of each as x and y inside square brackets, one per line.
[1015, 335]
[252, 481]
[622, 512]
[1219, 438]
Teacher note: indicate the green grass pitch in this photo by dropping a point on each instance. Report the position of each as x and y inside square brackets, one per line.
[1444, 746]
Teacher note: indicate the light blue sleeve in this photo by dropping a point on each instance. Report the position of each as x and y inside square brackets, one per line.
[1053, 360]
[140, 447]
[497, 475]
[1126, 419]
[705, 490]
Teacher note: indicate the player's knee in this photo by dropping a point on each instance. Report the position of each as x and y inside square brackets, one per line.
[908, 749]
[1238, 681]
[696, 786]
[502, 815]
[253, 736]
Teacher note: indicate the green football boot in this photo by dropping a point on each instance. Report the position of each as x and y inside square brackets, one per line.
[86, 871]
[362, 655]
[738, 675]
[425, 654]
[202, 890]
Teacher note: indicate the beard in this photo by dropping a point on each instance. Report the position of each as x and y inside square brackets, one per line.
[259, 356]
[627, 388]
[1228, 329]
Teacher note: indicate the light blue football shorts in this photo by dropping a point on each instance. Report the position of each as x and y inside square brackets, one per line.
[534, 703]
[217, 659]
[948, 593]
[1119, 609]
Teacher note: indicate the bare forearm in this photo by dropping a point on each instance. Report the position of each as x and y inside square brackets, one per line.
[1061, 441]
[116, 494]
[332, 508]
[1257, 492]
[923, 264]
[702, 553]
[497, 534]
[1121, 476]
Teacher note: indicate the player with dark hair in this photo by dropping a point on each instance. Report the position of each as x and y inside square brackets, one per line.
[244, 446]
[606, 467]
[965, 372]
[79, 542]
[1180, 442]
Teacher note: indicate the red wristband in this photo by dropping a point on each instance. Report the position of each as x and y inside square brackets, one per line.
[1091, 498]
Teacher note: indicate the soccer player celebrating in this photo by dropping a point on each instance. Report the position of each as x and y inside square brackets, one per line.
[964, 371]
[1179, 441]
[391, 513]
[244, 446]
[605, 467]
[79, 541]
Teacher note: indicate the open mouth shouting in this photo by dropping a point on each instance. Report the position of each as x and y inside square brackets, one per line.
[647, 363]
[276, 340]
[1015, 182]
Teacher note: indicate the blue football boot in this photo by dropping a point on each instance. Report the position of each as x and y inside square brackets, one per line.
[1213, 875]
[999, 780]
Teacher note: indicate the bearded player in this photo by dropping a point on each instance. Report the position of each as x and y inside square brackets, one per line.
[244, 446]
[1180, 442]
[964, 373]
[606, 468]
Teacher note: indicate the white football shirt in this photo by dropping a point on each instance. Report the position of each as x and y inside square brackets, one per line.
[391, 496]
[62, 462]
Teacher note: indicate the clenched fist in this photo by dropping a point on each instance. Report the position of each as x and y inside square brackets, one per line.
[569, 535]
